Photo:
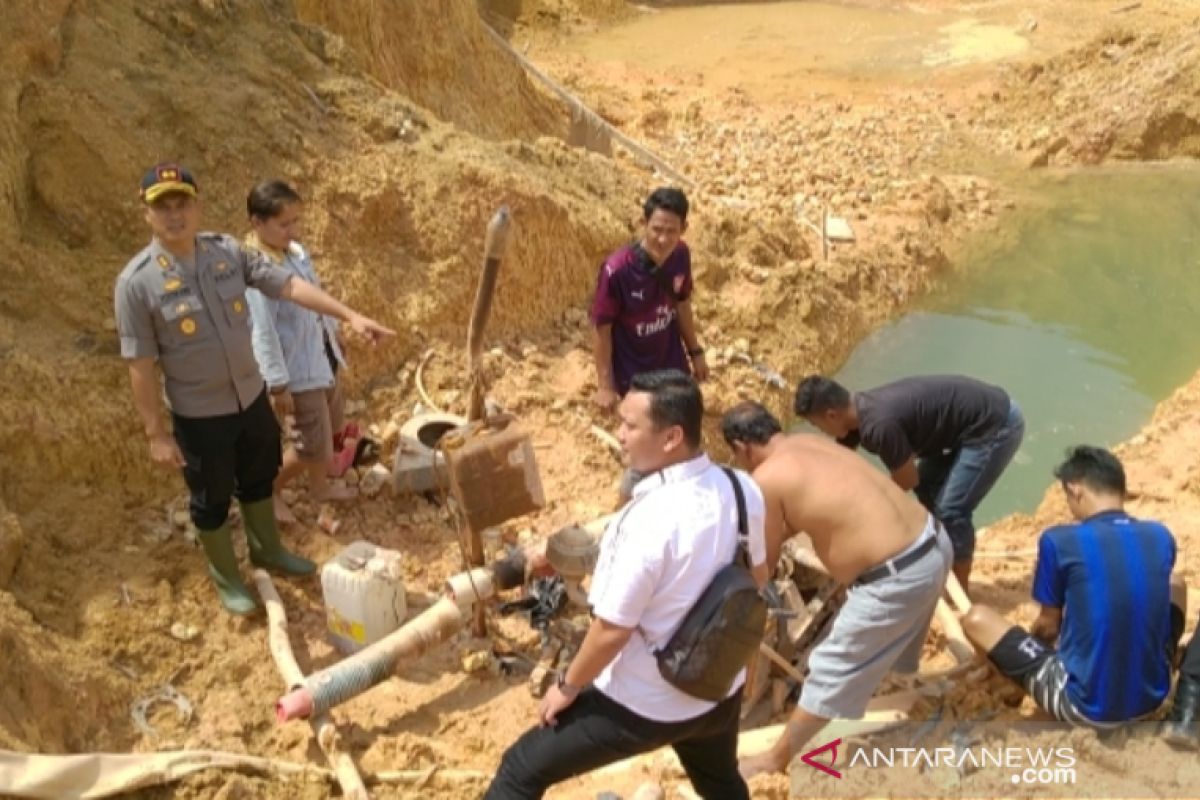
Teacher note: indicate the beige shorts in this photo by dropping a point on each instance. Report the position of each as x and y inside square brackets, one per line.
[317, 416]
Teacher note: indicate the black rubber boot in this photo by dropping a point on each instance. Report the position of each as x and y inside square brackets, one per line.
[1182, 725]
[262, 537]
[223, 569]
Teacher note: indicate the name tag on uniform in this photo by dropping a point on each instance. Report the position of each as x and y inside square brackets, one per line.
[176, 307]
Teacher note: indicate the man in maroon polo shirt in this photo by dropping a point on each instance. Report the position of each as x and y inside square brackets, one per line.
[642, 309]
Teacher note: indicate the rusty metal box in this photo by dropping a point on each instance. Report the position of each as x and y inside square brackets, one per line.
[493, 473]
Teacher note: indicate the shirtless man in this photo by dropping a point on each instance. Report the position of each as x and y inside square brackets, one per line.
[889, 552]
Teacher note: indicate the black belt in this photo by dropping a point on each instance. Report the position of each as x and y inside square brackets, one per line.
[894, 565]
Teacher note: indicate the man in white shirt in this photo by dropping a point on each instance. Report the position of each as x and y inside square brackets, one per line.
[656, 558]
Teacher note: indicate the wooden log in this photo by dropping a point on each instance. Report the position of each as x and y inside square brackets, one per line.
[958, 597]
[780, 662]
[873, 721]
[285, 660]
[758, 678]
[960, 646]
[882, 713]
[831, 599]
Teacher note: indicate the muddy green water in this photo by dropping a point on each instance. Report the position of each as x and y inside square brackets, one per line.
[772, 49]
[1085, 307]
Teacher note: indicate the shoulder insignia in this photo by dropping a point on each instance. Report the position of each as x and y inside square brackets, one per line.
[171, 284]
[164, 262]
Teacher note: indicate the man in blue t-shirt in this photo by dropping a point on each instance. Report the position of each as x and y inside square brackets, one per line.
[1108, 598]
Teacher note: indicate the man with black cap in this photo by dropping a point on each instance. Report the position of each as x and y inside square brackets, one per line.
[182, 302]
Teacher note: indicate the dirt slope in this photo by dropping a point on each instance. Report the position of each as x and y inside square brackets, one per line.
[439, 56]
[1132, 92]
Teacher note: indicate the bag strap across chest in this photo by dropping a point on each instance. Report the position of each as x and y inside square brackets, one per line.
[741, 551]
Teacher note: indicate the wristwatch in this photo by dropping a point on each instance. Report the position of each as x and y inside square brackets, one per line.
[569, 689]
[277, 390]
[699, 351]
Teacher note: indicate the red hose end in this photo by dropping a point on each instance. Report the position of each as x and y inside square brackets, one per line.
[296, 704]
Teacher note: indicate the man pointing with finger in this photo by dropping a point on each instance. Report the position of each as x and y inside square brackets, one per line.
[181, 302]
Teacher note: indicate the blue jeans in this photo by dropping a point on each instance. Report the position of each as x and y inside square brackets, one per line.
[952, 485]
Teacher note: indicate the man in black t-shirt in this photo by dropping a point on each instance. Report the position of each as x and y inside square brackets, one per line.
[948, 437]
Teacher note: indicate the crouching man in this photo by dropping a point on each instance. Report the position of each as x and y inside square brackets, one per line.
[656, 558]
[1108, 599]
[892, 555]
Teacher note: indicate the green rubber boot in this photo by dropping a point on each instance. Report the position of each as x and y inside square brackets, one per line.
[262, 536]
[223, 569]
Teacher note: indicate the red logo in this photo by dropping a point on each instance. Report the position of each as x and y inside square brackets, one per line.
[808, 758]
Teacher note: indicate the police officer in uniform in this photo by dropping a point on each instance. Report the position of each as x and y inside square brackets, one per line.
[182, 302]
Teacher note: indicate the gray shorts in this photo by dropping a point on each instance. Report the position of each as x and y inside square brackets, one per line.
[881, 627]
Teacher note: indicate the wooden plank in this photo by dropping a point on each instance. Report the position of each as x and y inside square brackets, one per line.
[758, 678]
[780, 662]
[756, 741]
[957, 641]
[882, 713]
[962, 603]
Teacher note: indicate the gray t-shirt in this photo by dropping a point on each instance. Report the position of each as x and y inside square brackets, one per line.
[926, 415]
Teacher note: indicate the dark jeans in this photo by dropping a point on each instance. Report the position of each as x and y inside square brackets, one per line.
[232, 454]
[952, 485]
[596, 731]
